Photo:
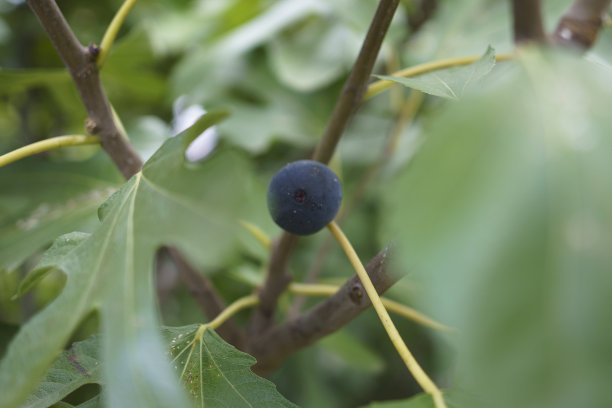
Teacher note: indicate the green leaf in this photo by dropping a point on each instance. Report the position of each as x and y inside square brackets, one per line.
[42, 200]
[216, 374]
[60, 248]
[277, 114]
[219, 63]
[312, 55]
[504, 221]
[449, 83]
[77, 366]
[203, 123]
[193, 207]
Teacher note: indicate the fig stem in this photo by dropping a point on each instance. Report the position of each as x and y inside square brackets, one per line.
[413, 366]
[45, 145]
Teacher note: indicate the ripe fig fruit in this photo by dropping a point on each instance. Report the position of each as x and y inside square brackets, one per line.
[304, 196]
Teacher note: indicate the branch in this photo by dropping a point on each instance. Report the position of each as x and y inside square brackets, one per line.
[276, 344]
[277, 279]
[357, 82]
[350, 98]
[81, 63]
[528, 25]
[580, 25]
[205, 295]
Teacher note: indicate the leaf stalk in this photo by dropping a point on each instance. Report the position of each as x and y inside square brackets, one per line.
[113, 30]
[45, 145]
[377, 87]
[413, 366]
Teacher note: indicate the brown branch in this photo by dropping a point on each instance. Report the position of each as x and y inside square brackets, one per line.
[276, 344]
[528, 26]
[349, 100]
[81, 63]
[311, 276]
[357, 82]
[277, 279]
[205, 295]
[580, 25]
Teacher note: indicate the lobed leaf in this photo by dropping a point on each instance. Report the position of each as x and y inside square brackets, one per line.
[216, 374]
[77, 366]
[168, 202]
[41, 201]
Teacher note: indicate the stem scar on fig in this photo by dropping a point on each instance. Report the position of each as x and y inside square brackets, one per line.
[299, 195]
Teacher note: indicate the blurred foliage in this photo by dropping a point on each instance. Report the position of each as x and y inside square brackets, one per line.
[506, 222]
[499, 202]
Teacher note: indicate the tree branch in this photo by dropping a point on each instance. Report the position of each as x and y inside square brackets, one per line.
[527, 17]
[277, 343]
[81, 63]
[580, 25]
[204, 293]
[276, 282]
[357, 82]
[349, 100]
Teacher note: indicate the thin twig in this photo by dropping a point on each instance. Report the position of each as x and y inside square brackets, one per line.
[311, 277]
[231, 310]
[276, 282]
[204, 293]
[276, 344]
[81, 64]
[357, 82]
[349, 100]
[580, 25]
[527, 17]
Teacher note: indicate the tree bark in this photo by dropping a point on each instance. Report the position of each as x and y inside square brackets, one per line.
[277, 343]
[527, 19]
[580, 25]
[81, 64]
